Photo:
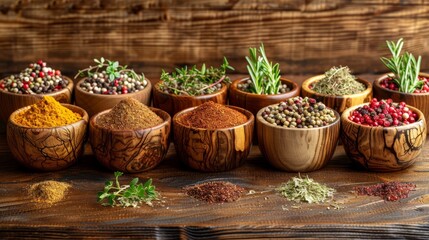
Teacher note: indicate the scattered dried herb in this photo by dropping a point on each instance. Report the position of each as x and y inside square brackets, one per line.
[300, 189]
[215, 192]
[338, 81]
[48, 192]
[389, 191]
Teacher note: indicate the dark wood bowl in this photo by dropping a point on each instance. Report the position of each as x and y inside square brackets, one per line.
[338, 103]
[11, 102]
[418, 100]
[130, 150]
[172, 103]
[297, 149]
[47, 149]
[213, 150]
[383, 149]
[95, 103]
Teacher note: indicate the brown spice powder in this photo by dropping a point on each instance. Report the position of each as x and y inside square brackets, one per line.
[129, 114]
[212, 115]
[215, 192]
[48, 192]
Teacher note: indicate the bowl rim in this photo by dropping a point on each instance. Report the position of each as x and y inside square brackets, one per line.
[305, 86]
[165, 121]
[261, 120]
[223, 89]
[386, 75]
[247, 113]
[234, 87]
[350, 109]
[68, 88]
[79, 89]
[84, 118]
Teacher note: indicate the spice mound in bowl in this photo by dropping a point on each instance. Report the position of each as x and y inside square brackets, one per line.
[213, 137]
[298, 135]
[130, 137]
[383, 135]
[47, 136]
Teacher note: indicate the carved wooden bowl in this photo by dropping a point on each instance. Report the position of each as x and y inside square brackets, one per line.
[418, 100]
[172, 103]
[47, 149]
[338, 103]
[11, 102]
[383, 149]
[297, 149]
[130, 150]
[213, 150]
[95, 103]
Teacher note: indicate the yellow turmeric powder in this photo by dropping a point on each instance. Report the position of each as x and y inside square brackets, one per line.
[47, 113]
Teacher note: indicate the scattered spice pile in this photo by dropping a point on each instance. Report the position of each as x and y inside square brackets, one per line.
[129, 114]
[305, 190]
[389, 191]
[212, 115]
[48, 192]
[215, 192]
[338, 81]
[47, 113]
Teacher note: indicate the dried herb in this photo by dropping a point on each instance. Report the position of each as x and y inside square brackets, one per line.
[305, 190]
[215, 192]
[127, 195]
[48, 191]
[389, 191]
[338, 81]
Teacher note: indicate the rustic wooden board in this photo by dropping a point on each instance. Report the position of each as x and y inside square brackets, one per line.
[262, 214]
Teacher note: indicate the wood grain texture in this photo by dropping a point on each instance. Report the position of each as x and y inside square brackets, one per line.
[213, 150]
[338, 103]
[130, 150]
[297, 150]
[383, 148]
[47, 149]
[303, 36]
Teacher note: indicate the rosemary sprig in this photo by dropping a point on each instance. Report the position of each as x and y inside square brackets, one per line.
[405, 67]
[264, 75]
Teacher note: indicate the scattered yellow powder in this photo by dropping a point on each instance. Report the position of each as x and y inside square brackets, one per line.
[48, 192]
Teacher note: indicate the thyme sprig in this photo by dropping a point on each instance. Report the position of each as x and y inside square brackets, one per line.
[115, 194]
[405, 67]
[265, 75]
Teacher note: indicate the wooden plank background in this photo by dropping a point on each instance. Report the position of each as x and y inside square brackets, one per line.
[306, 37]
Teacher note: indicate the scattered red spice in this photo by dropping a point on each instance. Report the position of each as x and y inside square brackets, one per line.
[215, 192]
[389, 83]
[389, 191]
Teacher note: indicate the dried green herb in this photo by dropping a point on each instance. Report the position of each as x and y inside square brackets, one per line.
[338, 81]
[305, 190]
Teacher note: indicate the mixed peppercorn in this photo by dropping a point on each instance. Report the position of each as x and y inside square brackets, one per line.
[246, 86]
[100, 84]
[390, 83]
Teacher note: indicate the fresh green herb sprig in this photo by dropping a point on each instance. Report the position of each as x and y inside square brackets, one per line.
[338, 81]
[112, 69]
[194, 81]
[264, 75]
[405, 67]
[130, 195]
[300, 189]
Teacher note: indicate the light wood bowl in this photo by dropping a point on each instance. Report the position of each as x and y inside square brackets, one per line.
[383, 149]
[418, 100]
[47, 149]
[95, 103]
[130, 151]
[11, 102]
[172, 103]
[297, 149]
[213, 150]
[338, 103]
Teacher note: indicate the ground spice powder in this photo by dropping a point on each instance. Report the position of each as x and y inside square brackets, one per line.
[48, 192]
[129, 114]
[215, 192]
[47, 113]
[389, 191]
[212, 115]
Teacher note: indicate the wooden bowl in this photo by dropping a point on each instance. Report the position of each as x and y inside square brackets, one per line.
[297, 149]
[13, 101]
[338, 103]
[94, 103]
[383, 149]
[47, 149]
[418, 100]
[213, 150]
[172, 103]
[130, 150]
[254, 102]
